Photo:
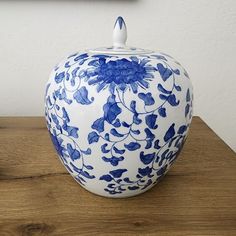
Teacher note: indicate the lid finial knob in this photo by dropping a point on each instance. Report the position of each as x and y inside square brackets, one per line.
[119, 33]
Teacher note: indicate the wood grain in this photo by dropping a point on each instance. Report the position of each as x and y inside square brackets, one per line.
[38, 197]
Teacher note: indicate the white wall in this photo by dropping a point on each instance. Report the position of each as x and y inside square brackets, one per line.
[34, 35]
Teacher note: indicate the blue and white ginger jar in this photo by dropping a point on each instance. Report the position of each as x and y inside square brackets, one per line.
[118, 116]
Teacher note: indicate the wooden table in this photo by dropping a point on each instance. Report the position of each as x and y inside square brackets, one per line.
[38, 196]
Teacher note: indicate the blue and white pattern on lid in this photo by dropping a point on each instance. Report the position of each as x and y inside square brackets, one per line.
[120, 22]
[118, 122]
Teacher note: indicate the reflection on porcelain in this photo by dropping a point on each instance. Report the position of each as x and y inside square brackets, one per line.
[118, 116]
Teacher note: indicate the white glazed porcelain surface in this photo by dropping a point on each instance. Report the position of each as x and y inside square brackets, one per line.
[118, 121]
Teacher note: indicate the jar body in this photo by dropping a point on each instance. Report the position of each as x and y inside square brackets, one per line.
[118, 122]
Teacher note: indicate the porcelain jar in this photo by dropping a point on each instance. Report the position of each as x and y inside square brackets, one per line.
[118, 116]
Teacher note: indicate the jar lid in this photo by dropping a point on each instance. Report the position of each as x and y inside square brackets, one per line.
[119, 42]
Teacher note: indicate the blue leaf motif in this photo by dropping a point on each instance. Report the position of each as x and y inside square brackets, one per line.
[148, 144]
[170, 133]
[103, 148]
[156, 144]
[117, 123]
[149, 138]
[118, 151]
[115, 133]
[137, 131]
[162, 111]
[65, 115]
[59, 77]
[147, 98]
[81, 96]
[67, 64]
[125, 124]
[72, 131]
[88, 167]
[74, 154]
[136, 119]
[117, 173]
[162, 89]
[72, 55]
[151, 121]
[127, 180]
[163, 97]
[164, 72]
[172, 100]
[149, 182]
[145, 171]
[138, 176]
[133, 106]
[107, 178]
[107, 137]
[132, 146]
[110, 185]
[81, 57]
[111, 109]
[87, 175]
[149, 134]
[187, 107]
[188, 96]
[67, 76]
[164, 156]
[133, 187]
[98, 125]
[80, 179]
[162, 170]
[62, 96]
[148, 158]
[76, 169]
[57, 144]
[74, 72]
[93, 137]
[113, 160]
[55, 120]
[177, 87]
[72, 82]
[86, 152]
[182, 129]
[177, 72]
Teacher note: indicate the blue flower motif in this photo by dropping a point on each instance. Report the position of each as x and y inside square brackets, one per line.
[120, 74]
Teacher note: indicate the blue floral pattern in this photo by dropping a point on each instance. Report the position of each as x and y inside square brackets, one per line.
[156, 163]
[140, 93]
[119, 74]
